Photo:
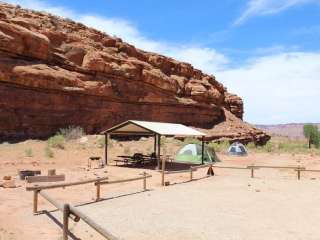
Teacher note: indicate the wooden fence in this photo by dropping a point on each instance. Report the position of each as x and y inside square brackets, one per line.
[251, 168]
[143, 178]
[298, 169]
[73, 213]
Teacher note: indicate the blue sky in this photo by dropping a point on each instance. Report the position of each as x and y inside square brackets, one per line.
[266, 51]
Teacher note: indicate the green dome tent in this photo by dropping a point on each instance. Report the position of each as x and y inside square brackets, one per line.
[192, 153]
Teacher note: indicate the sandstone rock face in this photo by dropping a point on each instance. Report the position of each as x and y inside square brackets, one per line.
[55, 73]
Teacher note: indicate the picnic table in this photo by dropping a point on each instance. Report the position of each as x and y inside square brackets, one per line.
[137, 158]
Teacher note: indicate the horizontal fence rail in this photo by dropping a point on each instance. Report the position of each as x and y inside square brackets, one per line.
[251, 168]
[62, 185]
[74, 213]
[310, 170]
[143, 178]
[58, 205]
[176, 172]
[93, 224]
[298, 169]
[275, 167]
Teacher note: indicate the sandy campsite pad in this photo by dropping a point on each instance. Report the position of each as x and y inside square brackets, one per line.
[214, 208]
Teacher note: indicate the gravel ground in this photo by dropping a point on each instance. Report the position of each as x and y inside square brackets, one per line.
[221, 208]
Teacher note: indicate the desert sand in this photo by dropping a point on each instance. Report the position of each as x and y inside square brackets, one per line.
[230, 205]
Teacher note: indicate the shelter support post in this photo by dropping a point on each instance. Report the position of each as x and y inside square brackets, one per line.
[163, 170]
[202, 150]
[155, 144]
[106, 149]
[158, 153]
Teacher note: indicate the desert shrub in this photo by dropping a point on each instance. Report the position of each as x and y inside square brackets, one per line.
[57, 141]
[71, 132]
[163, 141]
[190, 140]
[292, 147]
[49, 153]
[268, 147]
[177, 142]
[251, 146]
[221, 146]
[28, 152]
[101, 142]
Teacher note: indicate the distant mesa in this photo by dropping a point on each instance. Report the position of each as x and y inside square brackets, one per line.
[55, 73]
[291, 130]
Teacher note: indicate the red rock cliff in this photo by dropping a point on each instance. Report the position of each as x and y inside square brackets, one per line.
[55, 73]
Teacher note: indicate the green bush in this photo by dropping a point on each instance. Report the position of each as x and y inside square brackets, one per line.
[101, 142]
[28, 152]
[57, 141]
[49, 153]
[71, 132]
[221, 146]
[191, 140]
[268, 147]
[163, 141]
[251, 146]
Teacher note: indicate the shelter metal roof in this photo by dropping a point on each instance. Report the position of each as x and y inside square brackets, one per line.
[150, 128]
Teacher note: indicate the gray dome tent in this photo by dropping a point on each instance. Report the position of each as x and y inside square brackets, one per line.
[237, 149]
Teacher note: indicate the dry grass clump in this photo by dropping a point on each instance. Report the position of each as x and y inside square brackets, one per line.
[48, 151]
[284, 145]
[101, 143]
[28, 152]
[220, 147]
[191, 140]
[71, 132]
[57, 141]
[63, 135]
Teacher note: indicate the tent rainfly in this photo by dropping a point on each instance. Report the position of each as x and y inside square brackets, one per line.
[237, 149]
[156, 129]
[191, 153]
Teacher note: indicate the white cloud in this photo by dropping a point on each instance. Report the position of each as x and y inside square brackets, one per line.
[268, 7]
[207, 59]
[43, 6]
[278, 88]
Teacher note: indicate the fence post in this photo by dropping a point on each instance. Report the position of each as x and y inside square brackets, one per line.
[298, 172]
[252, 172]
[98, 191]
[191, 173]
[35, 201]
[144, 181]
[66, 212]
[163, 169]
